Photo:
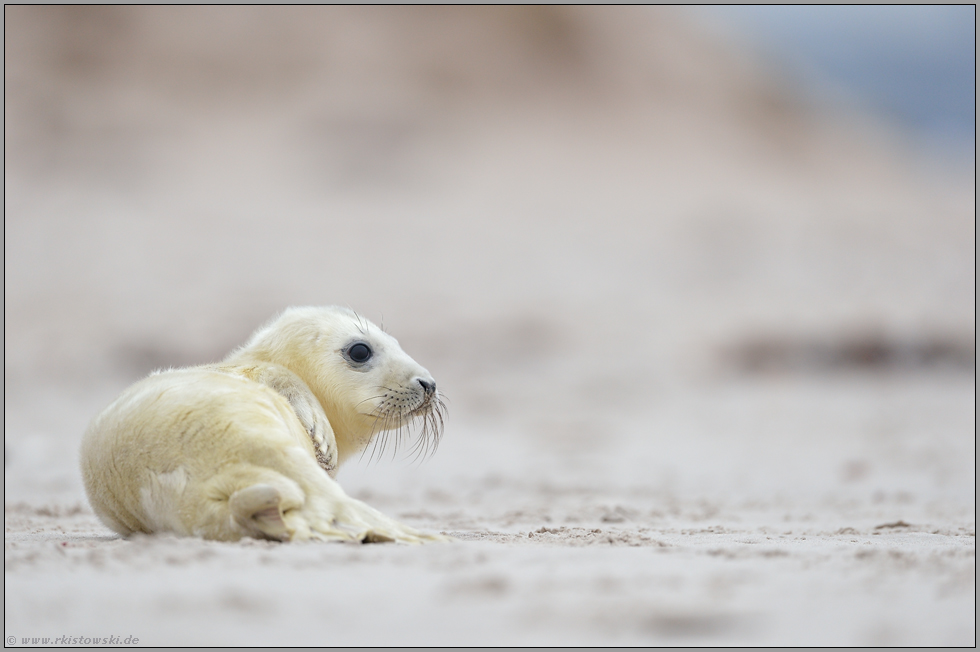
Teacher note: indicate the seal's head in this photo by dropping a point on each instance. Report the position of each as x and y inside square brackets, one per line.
[365, 382]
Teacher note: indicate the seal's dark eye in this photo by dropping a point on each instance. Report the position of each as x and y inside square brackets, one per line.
[360, 352]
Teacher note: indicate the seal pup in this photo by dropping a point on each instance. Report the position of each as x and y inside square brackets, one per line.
[250, 446]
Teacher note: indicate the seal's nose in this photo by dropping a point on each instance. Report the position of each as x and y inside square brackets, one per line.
[428, 385]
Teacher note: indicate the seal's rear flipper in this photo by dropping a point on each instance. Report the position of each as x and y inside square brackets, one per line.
[376, 537]
[257, 509]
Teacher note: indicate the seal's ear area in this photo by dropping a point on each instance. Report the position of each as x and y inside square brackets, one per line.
[256, 509]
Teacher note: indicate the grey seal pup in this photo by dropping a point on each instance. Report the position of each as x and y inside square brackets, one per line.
[250, 446]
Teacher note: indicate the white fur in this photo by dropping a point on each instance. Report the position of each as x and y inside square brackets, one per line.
[230, 450]
[160, 499]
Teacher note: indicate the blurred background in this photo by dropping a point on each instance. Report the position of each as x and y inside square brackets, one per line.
[582, 220]
[698, 284]
[911, 65]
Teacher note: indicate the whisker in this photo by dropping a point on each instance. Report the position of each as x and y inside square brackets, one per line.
[371, 398]
[397, 425]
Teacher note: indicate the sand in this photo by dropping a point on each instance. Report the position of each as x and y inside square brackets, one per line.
[709, 349]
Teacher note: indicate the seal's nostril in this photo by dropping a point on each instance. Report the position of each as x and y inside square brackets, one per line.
[428, 385]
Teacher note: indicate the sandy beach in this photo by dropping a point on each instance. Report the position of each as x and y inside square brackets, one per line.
[708, 348]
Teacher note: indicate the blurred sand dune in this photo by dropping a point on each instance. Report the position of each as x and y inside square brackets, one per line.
[219, 166]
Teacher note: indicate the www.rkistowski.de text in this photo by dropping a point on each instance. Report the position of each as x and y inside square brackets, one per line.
[73, 640]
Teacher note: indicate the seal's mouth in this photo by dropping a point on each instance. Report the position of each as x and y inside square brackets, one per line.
[424, 407]
[399, 416]
[395, 421]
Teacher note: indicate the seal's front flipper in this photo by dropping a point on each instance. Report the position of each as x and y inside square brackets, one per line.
[257, 509]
